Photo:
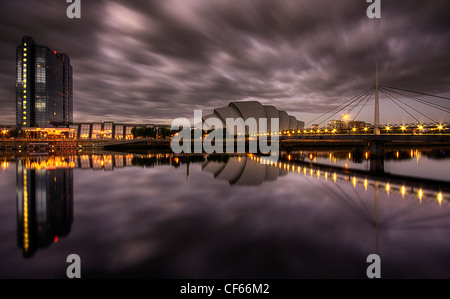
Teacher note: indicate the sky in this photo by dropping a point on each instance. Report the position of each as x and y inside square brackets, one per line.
[153, 61]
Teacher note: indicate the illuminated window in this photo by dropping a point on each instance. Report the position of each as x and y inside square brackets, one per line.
[25, 54]
[25, 70]
[24, 123]
[25, 81]
[25, 49]
[25, 44]
[24, 97]
[24, 103]
[24, 112]
[24, 91]
[24, 117]
[24, 65]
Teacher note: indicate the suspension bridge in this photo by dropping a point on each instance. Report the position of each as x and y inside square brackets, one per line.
[414, 105]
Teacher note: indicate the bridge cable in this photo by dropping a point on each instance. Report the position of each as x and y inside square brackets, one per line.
[422, 101]
[418, 92]
[357, 104]
[399, 105]
[351, 101]
[361, 95]
[413, 108]
[373, 91]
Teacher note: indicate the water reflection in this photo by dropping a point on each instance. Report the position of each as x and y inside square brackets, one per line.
[255, 170]
[242, 171]
[158, 213]
[44, 202]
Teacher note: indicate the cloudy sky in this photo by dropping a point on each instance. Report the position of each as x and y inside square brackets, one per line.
[152, 61]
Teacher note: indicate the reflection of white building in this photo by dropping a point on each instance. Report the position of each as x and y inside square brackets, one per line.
[242, 171]
[254, 109]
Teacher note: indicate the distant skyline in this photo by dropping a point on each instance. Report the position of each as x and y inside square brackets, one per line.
[152, 61]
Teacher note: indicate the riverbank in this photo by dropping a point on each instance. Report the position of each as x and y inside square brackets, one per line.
[164, 145]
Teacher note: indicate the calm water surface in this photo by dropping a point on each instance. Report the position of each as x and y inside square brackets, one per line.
[315, 214]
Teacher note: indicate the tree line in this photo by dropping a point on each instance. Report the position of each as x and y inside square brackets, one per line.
[147, 132]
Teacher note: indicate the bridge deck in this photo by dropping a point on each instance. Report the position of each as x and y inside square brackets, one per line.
[368, 137]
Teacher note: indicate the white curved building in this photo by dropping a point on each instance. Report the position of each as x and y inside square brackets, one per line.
[254, 109]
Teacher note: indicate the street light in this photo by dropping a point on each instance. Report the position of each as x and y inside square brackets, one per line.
[4, 133]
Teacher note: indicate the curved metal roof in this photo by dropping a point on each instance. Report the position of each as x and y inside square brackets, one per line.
[255, 110]
[284, 120]
[292, 122]
[249, 109]
[227, 112]
[271, 112]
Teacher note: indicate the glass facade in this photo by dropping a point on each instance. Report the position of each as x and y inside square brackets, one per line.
[128, 134]
[96, 131]
[108, 130]
[75, 128]
[44, 93]
[118, 132]
[85, 131]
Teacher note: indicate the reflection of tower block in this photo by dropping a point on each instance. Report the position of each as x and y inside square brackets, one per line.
[44, 206]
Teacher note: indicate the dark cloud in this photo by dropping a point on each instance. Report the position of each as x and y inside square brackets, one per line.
[151, 61]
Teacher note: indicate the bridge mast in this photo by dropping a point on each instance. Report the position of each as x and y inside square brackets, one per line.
[377, 106]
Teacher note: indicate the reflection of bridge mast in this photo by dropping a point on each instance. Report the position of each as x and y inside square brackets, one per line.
[377, 209]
